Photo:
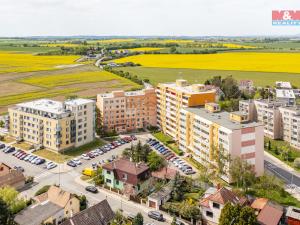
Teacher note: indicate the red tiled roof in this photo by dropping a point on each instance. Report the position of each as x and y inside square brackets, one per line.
[259, 203]
[205, 203]
[223, 195]
[126, 166]
[269, 215]
[165, 173]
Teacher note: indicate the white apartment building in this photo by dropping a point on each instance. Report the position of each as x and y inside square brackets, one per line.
[203, 131]
[52, 124]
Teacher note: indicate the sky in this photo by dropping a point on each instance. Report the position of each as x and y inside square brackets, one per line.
[143, 17]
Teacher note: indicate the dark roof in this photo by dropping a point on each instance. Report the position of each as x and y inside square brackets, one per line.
[223, 195]
[99, 214]
[126, 166]
[12, 178]
[36, 214]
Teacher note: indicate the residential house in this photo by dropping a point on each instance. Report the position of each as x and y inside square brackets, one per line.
[53, 206]
[268, 213]
[165, 173]
[11, 177]
[99, 214]
[213, 201]
[246, 85]
[293, 216]
[129, 177]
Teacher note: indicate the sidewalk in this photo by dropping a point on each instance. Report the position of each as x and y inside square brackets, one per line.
[281, 164]
[124, 199]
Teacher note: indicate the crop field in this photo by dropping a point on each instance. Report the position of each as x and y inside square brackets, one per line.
[157, 75]
[15, 62]
[239, 61]
[51, 81]
[144, 49]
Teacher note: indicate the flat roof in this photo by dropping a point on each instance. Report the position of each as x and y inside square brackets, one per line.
[126, 93]
[78, 101]
[189, 89]
[285, 93]
[45, 105]
[222, 118]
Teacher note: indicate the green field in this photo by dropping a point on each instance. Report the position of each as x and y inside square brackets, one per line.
[157, 75]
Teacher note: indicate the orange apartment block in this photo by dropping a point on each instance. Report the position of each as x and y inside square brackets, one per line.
[127, 111]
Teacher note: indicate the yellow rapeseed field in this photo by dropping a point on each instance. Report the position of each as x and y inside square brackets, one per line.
[239, 61]
[70, 45]
[15, 62]
[50, 81]
[111, 40]
[231, 45]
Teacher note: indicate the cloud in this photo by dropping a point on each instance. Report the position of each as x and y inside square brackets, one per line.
[141, 17]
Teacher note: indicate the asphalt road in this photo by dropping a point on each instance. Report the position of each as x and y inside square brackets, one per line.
[68, 180]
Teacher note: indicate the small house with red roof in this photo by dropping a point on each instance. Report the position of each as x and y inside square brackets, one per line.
[213, 201]
[129, 177]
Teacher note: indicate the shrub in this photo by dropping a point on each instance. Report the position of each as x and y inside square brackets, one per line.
[42, 190]
[297, 163]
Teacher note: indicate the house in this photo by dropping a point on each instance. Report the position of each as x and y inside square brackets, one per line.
[11, 177]
[293, 216]
[99, 214]
[157, 199]
[264, 208]
[52, 206]
[286, 95]
[213, 201]
[128, 177]
[283, 84]
[246, 85]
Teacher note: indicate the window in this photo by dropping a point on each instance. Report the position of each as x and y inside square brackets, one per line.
[124, 176]
[108, 172]
[117, 182]
[108, 181]
[216, 205]
[209, 214]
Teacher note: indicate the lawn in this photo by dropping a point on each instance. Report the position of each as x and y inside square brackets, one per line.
[20, 62]
[74, 78]
[69, 154]
[168, 141]
[157, 75]
[8, 139]
[24, 146]
[236, 61]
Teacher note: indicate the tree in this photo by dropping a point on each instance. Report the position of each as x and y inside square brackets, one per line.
[173, 49]
[174, 221]
[177, 193]
[2, 123]
[6, 217]
[297, 163]
[10, 196]
[99, 127]
[155, 162]
[119, 219]
[188, 209]
[98, 177]
[230, 88]
[138, 219]
[242, 173]
[285, 152]
[236, 214]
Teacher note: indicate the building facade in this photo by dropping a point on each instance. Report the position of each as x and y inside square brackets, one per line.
[54, 125]
[171, 97]
[127, 111]
[205, 132]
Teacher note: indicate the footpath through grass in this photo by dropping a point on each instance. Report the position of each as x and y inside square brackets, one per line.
[168, 141]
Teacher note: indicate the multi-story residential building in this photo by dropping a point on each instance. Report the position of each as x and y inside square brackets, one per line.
[291, 125]
[266, 112]
[52, 124]
[129, 177]
[171, 97]
[206, 131]
[127, 111]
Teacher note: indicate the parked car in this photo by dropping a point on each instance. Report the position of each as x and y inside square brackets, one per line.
[51, 165]
[19, 168]
[2, 146]
[40, 161]
[71, 163]
[156, 215]
[23, 156]
[91, 189]
[85, 156]
[189, 172]
[131, 216]
[9, 150]
[77, 161]
[133, 137]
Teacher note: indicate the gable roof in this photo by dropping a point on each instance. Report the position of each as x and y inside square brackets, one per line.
[99, 214]
[55, 195]
[259, 203]
[126, 166]
[36, 214]
[269, 215]
[165, 173]
[11, 178]
[223, 195]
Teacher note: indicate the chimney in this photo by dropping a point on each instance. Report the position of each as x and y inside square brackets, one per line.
[218, 186]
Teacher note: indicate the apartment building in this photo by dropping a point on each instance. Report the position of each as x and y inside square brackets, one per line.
[204, 131]
[52, 124]
[127, 111]
[171, 97]
[266, 112]
[291, 125]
